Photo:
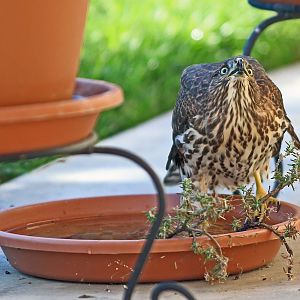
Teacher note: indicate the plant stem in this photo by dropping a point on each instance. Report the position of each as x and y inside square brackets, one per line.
[193, 230]
[281, 237]
[289, 250]
[215, 242]
[175, 232]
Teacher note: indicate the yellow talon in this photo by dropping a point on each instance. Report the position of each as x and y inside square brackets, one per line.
[261, 192]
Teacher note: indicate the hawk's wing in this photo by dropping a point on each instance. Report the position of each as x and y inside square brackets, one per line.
[191, 101]
[272, 93]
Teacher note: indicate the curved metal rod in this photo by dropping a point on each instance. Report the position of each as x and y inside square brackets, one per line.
[170, 286]
[87, 147]
[160, 214]
[262, 26]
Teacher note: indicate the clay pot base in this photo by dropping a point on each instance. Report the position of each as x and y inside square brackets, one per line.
[98, 240]
[41, 126]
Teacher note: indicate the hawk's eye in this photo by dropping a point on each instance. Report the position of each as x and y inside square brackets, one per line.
[250, 72]
[224, 71]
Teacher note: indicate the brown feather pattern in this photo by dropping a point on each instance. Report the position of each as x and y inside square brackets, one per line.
[226, 126]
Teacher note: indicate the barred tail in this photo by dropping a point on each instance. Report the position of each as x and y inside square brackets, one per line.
[173, 176]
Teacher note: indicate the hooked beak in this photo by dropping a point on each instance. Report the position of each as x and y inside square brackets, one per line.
[238, 68]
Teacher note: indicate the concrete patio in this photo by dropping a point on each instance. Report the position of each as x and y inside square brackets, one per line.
[95, 175]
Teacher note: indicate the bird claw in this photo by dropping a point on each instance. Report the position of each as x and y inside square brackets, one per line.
[275, 202]
[266, 205]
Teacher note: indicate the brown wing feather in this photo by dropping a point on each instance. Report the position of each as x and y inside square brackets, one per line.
[191, 100]
[272, 93]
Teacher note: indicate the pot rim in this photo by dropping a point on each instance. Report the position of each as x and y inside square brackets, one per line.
[178, 244]
[110, 96]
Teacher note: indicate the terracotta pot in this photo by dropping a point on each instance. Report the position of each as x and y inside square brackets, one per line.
[96, 240]
[40, 47]
[42, 126]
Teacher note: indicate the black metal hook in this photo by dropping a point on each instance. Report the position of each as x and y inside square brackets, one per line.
[170, 286]
[262, 26]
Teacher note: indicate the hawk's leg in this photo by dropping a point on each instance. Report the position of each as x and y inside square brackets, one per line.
[261, 192]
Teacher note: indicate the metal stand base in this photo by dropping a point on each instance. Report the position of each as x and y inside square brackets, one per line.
[87, 147]
[161, 287]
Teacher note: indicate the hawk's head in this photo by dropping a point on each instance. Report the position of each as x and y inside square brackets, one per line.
[237, 67]
[235, 73]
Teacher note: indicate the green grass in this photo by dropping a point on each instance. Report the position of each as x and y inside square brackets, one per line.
[144, 45]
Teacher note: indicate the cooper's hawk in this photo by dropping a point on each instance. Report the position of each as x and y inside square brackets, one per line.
[229, 120]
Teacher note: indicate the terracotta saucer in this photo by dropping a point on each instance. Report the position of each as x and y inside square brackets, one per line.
[41, 126]
[99, 239]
